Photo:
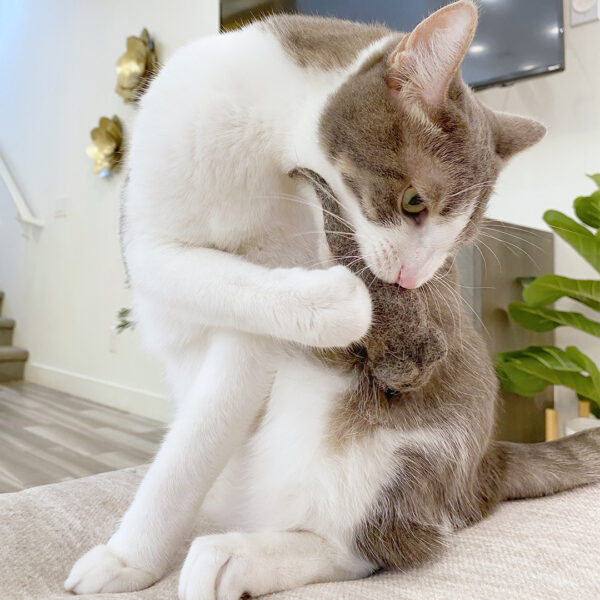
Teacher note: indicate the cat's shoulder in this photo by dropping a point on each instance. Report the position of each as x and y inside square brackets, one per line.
[320, 42]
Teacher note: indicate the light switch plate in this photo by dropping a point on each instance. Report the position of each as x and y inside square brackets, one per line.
[584, 11]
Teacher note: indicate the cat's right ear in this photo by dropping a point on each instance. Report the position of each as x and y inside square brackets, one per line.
[429, 57]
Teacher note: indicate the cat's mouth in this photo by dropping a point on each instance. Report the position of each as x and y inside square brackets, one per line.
[405, 274]
[408, 279]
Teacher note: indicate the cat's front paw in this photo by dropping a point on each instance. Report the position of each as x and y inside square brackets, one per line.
[339, 308]
[222, 567]
[101, 570]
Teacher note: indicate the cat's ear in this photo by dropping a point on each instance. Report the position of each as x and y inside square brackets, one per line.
[431, 55]
[513, 133]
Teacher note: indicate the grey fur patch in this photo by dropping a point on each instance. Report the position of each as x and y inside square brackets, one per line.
[320, 43]
[449, 473]
[385, 141]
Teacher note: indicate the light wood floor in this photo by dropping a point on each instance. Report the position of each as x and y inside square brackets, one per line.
[48, 436]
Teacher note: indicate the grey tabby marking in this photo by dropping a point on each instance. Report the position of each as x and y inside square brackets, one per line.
[302, 38]
[423, 370]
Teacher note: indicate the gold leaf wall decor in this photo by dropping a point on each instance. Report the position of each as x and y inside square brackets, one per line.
[106, 149]
[136, 67]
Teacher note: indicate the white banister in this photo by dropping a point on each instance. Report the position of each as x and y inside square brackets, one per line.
[24, 214]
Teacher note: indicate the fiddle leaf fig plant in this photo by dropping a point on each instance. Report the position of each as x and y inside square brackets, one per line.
[529, 371]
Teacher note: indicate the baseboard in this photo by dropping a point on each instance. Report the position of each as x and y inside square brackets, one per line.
[137, 401]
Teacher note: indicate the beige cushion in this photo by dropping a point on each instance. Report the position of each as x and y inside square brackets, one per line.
[536, 549]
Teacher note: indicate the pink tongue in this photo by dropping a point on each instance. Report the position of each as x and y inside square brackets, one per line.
[406, 280]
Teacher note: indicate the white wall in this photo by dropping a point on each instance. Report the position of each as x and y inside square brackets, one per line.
[552, 174]
[65, 284]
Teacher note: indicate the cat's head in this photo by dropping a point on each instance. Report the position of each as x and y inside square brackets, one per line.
[414, 153]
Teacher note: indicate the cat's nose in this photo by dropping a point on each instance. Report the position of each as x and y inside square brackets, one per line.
[406, 279]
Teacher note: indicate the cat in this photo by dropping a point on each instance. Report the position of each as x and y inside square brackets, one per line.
[230, 272]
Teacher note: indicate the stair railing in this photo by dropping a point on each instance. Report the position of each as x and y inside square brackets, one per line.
[24, 213]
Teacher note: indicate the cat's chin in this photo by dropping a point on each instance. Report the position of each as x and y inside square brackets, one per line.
[397, 278]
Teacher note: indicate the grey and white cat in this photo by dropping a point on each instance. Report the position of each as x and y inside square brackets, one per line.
[234, 287]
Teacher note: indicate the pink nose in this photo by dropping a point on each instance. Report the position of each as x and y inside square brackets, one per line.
[406, 280]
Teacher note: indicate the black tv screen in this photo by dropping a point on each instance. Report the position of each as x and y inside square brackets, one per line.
[515, 38]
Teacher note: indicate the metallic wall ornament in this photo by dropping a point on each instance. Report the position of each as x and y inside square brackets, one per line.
[107, 147]
[136, 67]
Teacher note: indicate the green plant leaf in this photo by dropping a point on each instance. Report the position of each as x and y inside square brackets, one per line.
[596, 179]
[529, 371]
[587, 209]
[578, 236]
[538, 318]
[586, 363]
[549, 288]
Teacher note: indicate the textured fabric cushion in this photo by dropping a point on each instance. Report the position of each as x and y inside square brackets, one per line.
[527, 550]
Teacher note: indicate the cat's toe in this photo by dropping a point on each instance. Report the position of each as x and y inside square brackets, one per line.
[100, 570]
[216, 568]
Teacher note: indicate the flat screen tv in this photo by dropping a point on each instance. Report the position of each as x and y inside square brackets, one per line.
[515, 38]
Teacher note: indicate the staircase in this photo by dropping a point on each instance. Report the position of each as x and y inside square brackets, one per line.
[12, 360]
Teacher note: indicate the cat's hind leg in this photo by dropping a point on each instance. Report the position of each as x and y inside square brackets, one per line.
[232, 565]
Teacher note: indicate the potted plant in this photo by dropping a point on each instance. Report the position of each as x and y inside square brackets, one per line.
[529, 371]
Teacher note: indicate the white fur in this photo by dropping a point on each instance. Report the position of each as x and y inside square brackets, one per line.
[221, 261]
[418, 251]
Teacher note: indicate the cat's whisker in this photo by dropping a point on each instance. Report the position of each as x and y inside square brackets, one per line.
[307, 233]
[488, 183]
[500, 224]
[372, 282]
[474, 313]
[453, 295]
[483, 259]
[515, 246]
[509, 248]
[479, 241]
[331, 261]
[512, 235]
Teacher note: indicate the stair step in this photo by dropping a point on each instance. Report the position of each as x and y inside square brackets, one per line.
[12, 371]
[13, 354]
[12, 363]
[7, 327]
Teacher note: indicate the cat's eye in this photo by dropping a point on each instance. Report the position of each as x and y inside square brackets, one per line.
[412, 203]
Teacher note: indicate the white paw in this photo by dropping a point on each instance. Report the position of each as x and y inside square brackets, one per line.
[339, 308]
[100, 570]
[220, 567]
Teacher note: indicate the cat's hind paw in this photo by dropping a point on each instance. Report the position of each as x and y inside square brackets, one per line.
[219, 567]
[101, 570]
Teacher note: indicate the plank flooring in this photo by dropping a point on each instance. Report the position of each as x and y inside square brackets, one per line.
[48, 436]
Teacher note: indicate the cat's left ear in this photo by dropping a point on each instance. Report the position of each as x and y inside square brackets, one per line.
[431, 55]
[513, 134]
